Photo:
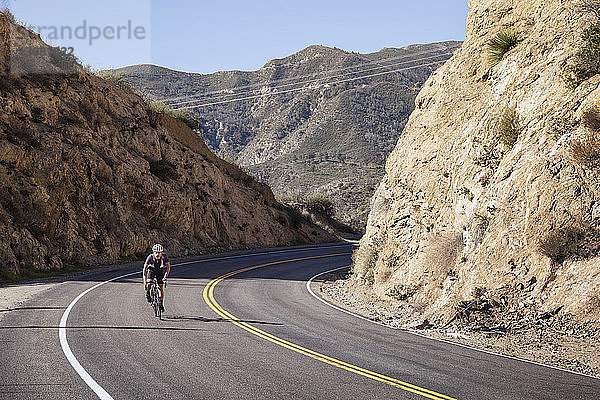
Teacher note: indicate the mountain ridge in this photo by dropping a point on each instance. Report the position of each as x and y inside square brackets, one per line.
[309, 122]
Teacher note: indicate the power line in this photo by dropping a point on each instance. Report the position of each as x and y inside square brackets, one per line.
[360, 65]
[304, 76]
[314, 80]
[303, 88]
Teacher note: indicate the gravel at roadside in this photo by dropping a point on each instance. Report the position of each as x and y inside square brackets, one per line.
[556, 341]
[11, 296]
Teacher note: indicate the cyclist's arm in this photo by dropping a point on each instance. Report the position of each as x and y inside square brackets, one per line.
[168, 270]
[144, 274]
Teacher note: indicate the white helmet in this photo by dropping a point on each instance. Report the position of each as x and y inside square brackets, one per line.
[157, 247]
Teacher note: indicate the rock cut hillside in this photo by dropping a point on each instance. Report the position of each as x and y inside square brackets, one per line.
[321, 120]
[89, 173]
[485, 200]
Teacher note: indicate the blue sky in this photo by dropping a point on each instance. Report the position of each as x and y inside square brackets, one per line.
[209, 36]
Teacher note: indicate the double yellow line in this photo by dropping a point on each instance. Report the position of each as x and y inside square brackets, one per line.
[209, 298]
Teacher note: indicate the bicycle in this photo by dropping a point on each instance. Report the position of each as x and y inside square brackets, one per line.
[155, 296]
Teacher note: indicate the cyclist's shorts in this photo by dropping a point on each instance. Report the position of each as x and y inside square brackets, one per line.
[151, 273]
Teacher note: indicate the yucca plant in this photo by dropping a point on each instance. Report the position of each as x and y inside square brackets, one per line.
[501, 44]
[508, 126]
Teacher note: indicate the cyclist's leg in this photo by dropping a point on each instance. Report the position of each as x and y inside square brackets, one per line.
[159, 280]
[161, 291]
[150, 276]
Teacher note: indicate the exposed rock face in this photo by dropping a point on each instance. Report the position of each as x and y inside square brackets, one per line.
[307, 123]
[88, 172]
[460, 215]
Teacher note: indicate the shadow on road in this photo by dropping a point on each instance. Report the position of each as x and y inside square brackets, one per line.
[31, 308]
[133, 328]
[204, 319]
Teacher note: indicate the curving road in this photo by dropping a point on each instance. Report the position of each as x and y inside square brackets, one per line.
[243, 327]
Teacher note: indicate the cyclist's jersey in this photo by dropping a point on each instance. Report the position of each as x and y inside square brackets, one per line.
[157, 264]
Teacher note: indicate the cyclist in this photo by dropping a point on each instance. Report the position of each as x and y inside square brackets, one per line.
[157, 265]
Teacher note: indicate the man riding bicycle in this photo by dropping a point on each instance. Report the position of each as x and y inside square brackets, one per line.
[154, 267]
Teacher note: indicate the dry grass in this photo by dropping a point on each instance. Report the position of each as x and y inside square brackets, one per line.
[363, 262]
[586, 150]
[508, 126]
[442, 253]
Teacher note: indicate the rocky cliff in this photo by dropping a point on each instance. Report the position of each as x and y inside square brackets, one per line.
[89, 173]
[321, 120]
[487, 199]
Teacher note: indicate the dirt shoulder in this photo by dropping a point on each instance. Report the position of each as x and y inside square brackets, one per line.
[12, 296]
[554, 340]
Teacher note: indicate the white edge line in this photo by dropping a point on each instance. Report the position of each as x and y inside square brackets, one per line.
[336, 307]
[62, 327]
[62, 334]
[428, 337]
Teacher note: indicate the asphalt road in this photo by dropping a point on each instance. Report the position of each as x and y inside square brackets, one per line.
[254, 334]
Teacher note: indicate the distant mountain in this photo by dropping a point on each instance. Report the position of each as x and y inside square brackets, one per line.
[321, 120]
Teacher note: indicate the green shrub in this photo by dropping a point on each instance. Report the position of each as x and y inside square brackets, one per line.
[317, 203]
[184, 115]
[296, 217]
[508, 126]
[61, 59]
[501, 44]
[187, 117]
[587, 59]
[164, 170]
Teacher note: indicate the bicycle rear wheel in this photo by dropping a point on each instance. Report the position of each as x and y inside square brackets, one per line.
[156, 302]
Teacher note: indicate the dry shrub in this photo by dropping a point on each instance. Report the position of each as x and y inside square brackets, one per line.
[594, 301]
[363, 262]
[317, 203]
[560, 244]
[591, 119]
[442, 253]
[589, 6]
[586, 150]
[402, 292]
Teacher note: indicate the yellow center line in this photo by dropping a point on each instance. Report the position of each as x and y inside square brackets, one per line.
[208, 295]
